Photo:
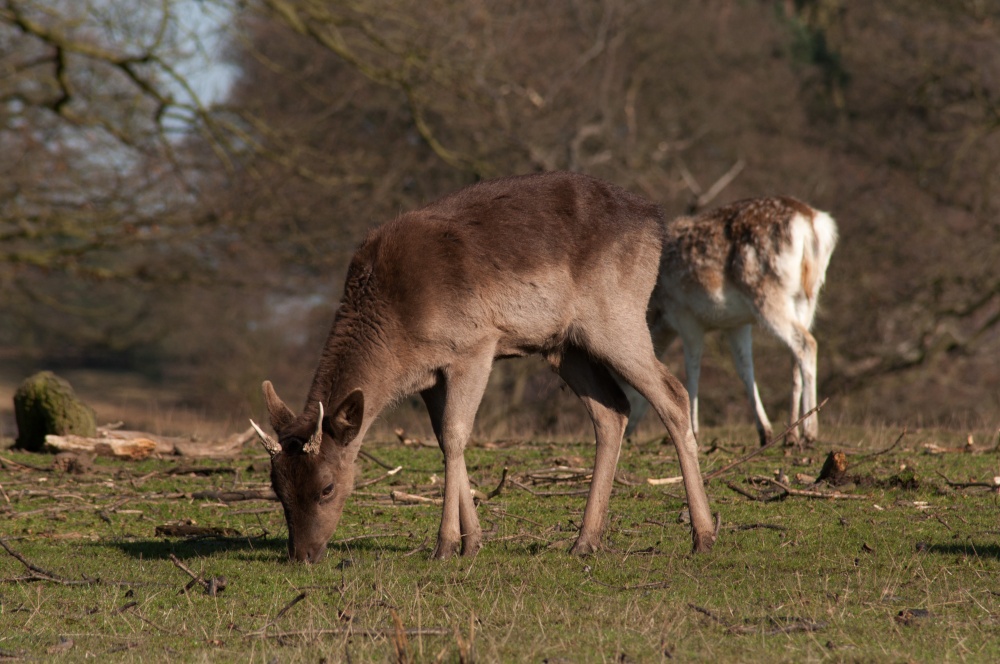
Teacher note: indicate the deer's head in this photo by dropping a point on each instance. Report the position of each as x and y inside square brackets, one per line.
[312, 467]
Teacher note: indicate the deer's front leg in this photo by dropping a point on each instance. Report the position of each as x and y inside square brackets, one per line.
[454, 402]
[460, 528]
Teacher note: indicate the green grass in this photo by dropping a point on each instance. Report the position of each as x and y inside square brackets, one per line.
[794, 580]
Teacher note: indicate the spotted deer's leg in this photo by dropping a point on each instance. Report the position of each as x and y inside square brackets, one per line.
[778, 315]
[741, 346]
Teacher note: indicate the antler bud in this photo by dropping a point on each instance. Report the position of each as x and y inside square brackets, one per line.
[312, 447]
[269, 443]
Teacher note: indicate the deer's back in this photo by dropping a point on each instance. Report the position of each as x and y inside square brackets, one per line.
[721, 265]
[523, 258]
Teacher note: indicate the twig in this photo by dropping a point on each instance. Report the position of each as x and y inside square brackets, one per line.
[720, 184]
[759, 498]
[708, 613]
[39, 574]
[868, 457]
[660, 481]
[525, 488]
[423, 545]
[496, 492]
[187, 570]
[295, 600]
[372, 458]
[711, 476]
[813, 494]
[966, 485]
[412, 499]
[5, 462]
[213, 586]
[390, 473]
[125, 607]
[399, 638]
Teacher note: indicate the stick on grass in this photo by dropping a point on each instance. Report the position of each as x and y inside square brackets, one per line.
[711, 476]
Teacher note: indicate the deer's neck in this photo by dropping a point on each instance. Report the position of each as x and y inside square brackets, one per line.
[357, 355]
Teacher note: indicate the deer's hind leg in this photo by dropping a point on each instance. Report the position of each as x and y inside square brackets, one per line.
[452, 405]
[779, 316]
[741, 346]
[609, 409]
[662, 335]
[623, 343]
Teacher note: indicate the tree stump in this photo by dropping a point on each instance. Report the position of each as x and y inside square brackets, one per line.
[834, 469]
[46, 404]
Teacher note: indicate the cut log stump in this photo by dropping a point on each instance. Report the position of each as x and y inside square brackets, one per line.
[45, 404]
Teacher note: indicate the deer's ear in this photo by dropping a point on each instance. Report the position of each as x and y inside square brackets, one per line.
[280, 414]
[345, 420]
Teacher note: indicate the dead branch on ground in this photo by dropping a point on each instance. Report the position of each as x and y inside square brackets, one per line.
[496, 492]
[385, 475]
[994, 485]
[212, 586]
[834, 495]
[867, 457]
[39, 574]
[413, 499]
[784, 434]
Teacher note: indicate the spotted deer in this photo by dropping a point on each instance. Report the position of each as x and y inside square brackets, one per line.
[760, 260]
[556, 264]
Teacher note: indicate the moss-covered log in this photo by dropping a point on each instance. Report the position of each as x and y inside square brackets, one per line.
[46, 404]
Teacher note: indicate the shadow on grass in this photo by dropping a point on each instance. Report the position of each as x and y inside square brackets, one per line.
[967, 549]
[245, 548]
[160, 548]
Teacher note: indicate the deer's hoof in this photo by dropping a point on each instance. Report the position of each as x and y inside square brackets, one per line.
[703, 542]
[445, 549]
[584, 547]
[471, 546]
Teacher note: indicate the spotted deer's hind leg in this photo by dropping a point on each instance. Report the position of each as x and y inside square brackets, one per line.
[779, 316]
[609, 409]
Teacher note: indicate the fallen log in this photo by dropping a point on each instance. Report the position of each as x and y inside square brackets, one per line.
[140, 444]
[135, 448]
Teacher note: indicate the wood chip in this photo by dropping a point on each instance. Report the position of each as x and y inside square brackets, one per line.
[665, 480]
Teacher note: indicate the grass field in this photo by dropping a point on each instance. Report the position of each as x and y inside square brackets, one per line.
[903, 565]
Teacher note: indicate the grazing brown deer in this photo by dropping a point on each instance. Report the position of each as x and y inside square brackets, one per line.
[558, 264]
[760, 260]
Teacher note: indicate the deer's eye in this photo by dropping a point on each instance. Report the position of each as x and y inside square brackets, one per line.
[327, 490]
